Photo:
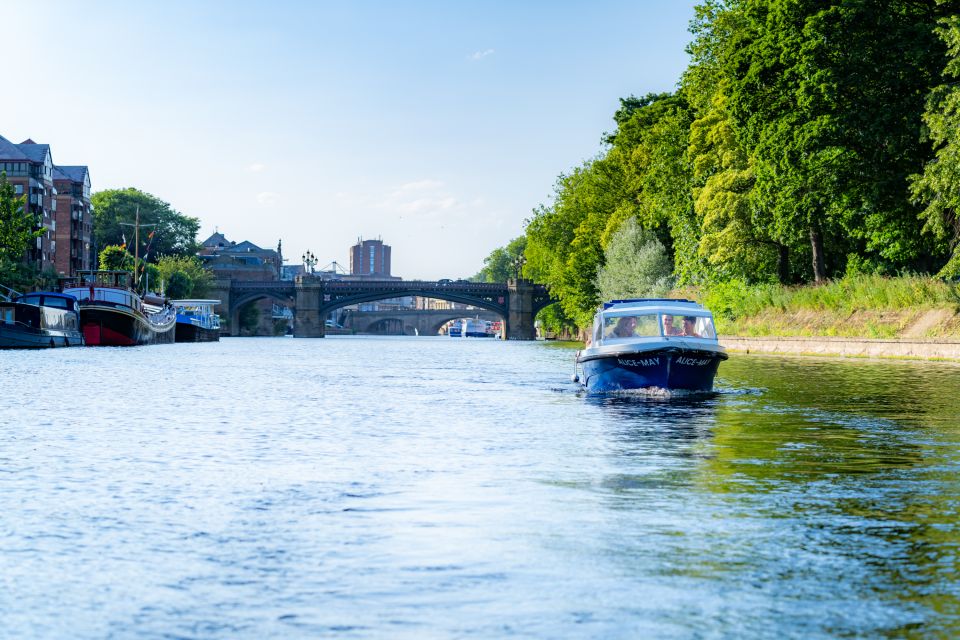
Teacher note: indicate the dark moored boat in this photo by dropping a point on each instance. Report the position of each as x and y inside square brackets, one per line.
[196, 320]
[39, 320]
[651, 344]
[112, 314]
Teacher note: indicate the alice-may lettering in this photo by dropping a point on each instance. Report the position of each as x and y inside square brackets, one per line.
[643, 362]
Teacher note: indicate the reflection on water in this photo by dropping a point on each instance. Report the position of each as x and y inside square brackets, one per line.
[373, 487]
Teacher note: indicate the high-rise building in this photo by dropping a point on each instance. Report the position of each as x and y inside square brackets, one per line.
[370, 258]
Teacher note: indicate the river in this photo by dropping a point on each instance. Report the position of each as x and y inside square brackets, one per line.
[365, 487]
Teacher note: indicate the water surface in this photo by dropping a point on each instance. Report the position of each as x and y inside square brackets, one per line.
[432, 487]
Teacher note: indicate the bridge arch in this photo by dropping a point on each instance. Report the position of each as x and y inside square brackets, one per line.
[516, 301]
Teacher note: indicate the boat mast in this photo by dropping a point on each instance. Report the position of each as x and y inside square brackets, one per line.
[136, 247]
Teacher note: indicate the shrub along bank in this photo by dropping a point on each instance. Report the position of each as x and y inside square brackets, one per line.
[861, 306]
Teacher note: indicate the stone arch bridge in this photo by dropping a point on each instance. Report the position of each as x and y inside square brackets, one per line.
[313, 298]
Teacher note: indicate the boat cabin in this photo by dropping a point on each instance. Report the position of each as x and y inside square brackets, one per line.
[622, 321]
[107, 287]
[41, 310]
[197, 312]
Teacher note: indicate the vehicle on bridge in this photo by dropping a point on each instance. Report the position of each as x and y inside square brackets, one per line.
[650, 344]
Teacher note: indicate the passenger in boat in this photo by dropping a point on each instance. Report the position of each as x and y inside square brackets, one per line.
[668, 328]
[625, 327]
[689, 327]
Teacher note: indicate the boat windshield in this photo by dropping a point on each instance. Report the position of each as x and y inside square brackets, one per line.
[688, 326]
[643, 325]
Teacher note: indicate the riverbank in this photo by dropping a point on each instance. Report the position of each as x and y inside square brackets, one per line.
[844, 347]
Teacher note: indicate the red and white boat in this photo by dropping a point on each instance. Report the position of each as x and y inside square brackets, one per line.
[113, 314]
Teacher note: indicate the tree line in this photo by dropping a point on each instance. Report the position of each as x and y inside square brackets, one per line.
[167, 249]
[806, 140]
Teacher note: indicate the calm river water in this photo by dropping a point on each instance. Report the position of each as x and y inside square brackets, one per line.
[434, 488]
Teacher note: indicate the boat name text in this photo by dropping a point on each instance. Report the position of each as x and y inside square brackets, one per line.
[643, 362]
[693, 362]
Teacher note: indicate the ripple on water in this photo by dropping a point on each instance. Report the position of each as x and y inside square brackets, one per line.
[409, 488]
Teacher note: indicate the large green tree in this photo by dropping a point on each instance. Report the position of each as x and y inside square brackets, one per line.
[115, 209]
[938, 187]
[636, 265]
[192, 278]
[502, 263]
[828, 95]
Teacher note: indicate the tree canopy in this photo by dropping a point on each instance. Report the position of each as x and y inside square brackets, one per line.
[171, 233]
[808, 139]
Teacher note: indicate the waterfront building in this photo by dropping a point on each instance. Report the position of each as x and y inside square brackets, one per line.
[239, 260]
[74, 220]
[229, 260]
[29, 168]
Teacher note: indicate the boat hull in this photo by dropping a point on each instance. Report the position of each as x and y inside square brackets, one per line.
[120, 327]
[670, 369]
[14, 337]
[186, 332]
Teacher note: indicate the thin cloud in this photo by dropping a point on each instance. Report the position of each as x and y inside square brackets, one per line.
[256, 167]
[267, 198]
[480, 55]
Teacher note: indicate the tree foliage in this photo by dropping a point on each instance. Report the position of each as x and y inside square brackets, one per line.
[502, 262]
[938, 187]
[192, 271]
[636, 265]
[18, 228]
[173, 232]
[785, 155]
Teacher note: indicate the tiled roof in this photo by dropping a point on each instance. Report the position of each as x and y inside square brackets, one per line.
[215, 240]
[36, 152]
[10, 151]
[74, 173]
[248, 247]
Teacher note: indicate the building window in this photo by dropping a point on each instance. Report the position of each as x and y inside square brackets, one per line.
[18, 189]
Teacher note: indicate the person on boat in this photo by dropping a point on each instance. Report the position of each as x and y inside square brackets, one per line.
[668, 328]
[625, 327]
[689, 327]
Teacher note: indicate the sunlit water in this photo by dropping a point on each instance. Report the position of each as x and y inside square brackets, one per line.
[430, 487]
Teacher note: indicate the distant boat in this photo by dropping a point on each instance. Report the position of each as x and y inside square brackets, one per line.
[650, 344]
[39, 320]
[112, 314]
[196, 321]
[475, 328]
[455, 330]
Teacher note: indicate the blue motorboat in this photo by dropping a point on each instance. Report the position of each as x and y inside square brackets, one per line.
[197, 321]
[650, 344]
[39, 320]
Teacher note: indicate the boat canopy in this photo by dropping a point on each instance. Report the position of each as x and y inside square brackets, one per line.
[622, 321]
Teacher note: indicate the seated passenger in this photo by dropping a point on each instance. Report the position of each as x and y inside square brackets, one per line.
[689, 327]
[668, 328]
[625, 327]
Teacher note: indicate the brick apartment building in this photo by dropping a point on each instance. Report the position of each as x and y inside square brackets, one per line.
[30, 169]
[74, 216]
[370, 258]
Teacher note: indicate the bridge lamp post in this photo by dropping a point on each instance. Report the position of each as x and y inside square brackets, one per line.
[518, 263]
[309, 260]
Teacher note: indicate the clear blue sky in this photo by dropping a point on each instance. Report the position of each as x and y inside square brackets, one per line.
[437, 126]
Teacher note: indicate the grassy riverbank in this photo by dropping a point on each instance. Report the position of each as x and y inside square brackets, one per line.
[855, 307]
